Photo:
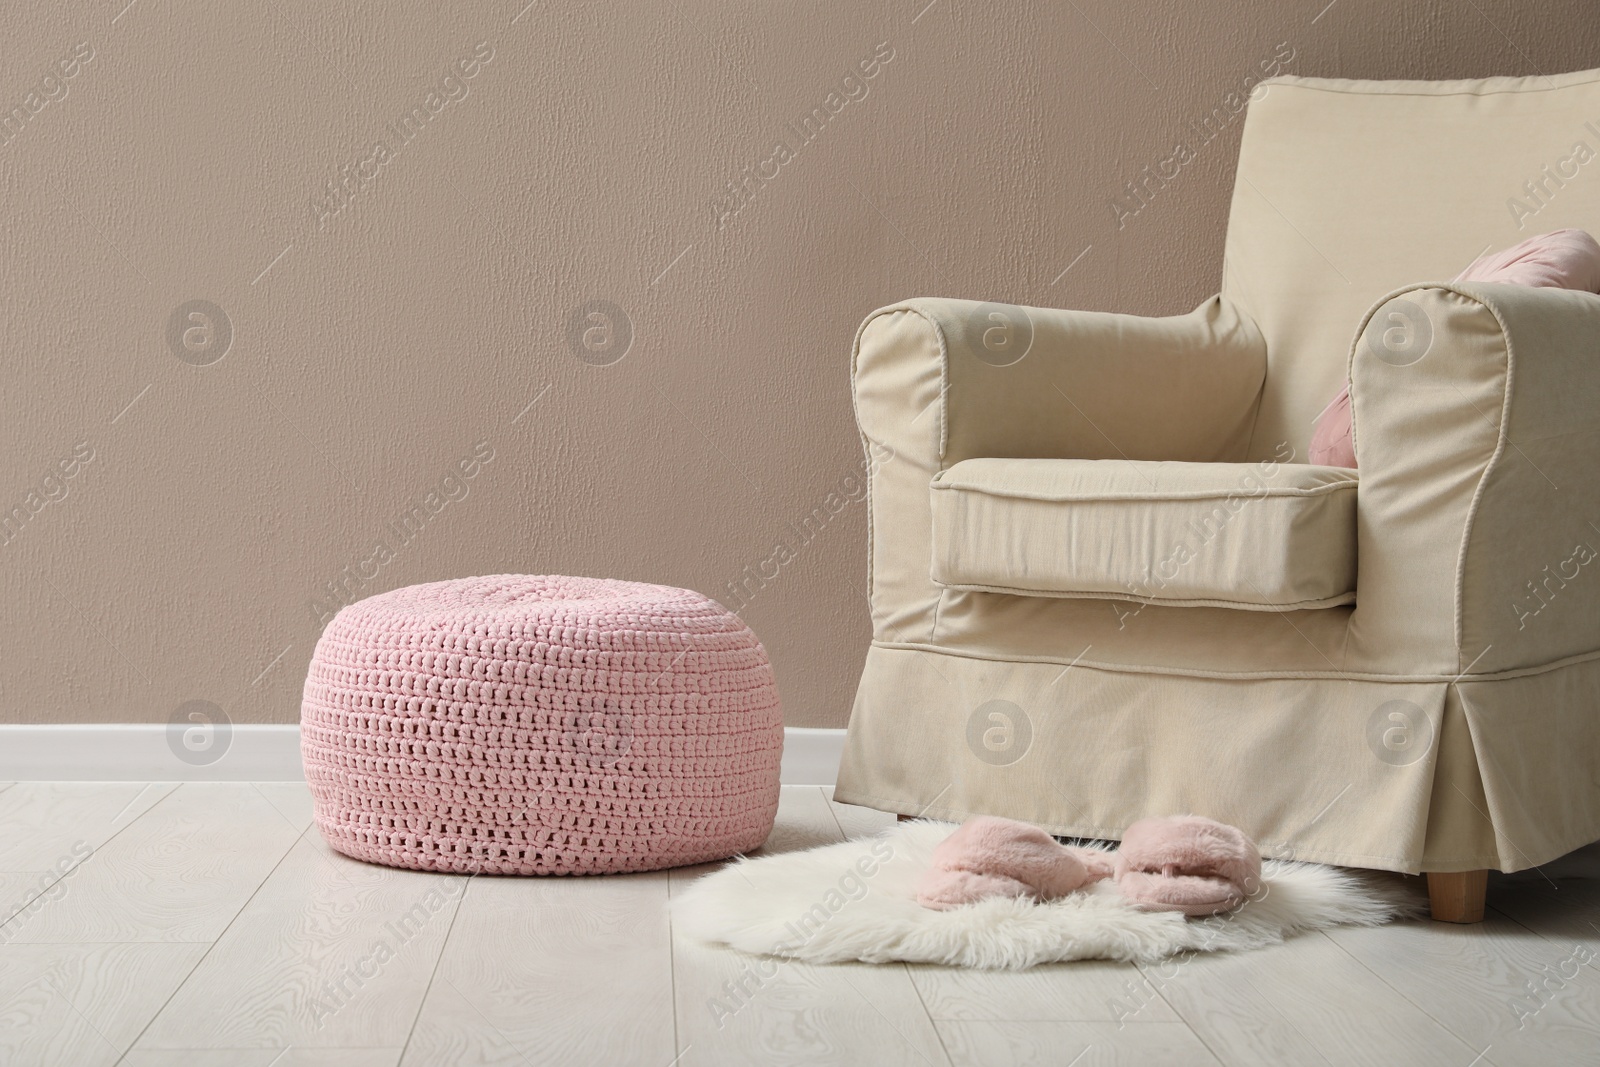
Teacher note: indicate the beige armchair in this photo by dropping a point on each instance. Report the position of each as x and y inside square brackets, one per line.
[1107, 584]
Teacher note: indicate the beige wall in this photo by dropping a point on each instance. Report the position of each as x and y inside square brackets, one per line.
[378, 347]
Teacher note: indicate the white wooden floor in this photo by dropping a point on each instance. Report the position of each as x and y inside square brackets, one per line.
[209, 924]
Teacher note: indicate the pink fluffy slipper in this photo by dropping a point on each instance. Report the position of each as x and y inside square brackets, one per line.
[993, 857]
[1187, 863]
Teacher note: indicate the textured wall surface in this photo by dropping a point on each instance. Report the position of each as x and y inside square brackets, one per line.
[303, 302]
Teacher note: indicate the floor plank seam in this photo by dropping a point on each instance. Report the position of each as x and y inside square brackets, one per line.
[90, 859]
[912, 1045]
[1180, 1016]
[827, 800]
[268, 802]
[212, 946]
[433, 974]
[672, 974]
[1535, 931]
[933, 1023]
[1403, 995]
[1289, 1019]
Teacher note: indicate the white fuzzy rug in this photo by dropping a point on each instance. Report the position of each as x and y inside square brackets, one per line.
[857, 901]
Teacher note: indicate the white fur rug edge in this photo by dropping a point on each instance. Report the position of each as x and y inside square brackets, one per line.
[857, 901]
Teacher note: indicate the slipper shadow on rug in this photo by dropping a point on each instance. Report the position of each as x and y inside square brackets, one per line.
[858, 901]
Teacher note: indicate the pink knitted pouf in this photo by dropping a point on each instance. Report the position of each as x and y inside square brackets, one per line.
[514, 724]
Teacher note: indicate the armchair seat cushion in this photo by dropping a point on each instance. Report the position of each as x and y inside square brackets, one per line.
[1264, 536]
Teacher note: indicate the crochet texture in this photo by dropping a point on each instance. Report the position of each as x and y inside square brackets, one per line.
[515, 724]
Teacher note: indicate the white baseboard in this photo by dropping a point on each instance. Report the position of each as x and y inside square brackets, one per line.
[141, 752]
[811, 755]
[256, 752]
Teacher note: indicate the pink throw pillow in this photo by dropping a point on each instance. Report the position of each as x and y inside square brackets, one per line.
[1561, 259]
[1332, 443]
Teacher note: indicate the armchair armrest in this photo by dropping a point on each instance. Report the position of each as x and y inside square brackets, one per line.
[938, 381]
[1014, 382]
[1477, 430]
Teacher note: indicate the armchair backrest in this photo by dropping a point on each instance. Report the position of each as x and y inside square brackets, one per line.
[1347, 190]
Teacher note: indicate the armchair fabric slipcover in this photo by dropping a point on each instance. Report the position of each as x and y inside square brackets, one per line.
[1395, 668]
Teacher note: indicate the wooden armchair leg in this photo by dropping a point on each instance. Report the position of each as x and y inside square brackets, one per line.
[1457, 897]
